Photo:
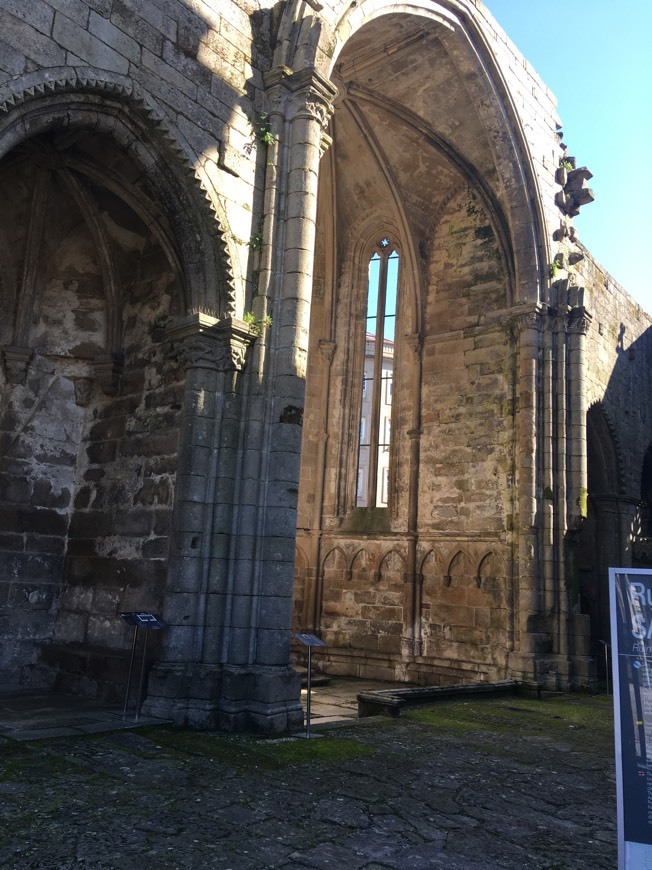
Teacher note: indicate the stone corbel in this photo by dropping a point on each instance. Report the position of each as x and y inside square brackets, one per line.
[415, 343]
[109, 369]
[204, 341]
[16, 361]
[327, 349]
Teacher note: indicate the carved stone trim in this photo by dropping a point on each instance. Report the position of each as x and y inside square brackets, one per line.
[203, 341]
[16, 361]
[325, 142]
[109, 369]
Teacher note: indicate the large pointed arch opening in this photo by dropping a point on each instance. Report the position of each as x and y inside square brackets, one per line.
[103, 244]
[413, 160]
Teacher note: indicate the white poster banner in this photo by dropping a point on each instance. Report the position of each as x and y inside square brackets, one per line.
[630, 594]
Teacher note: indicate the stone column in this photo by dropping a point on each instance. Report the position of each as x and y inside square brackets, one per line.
[260, 690]
[560, 489]
[412, 636]
[578, 326]
[529, 598]
[185, 686]
[314, 584]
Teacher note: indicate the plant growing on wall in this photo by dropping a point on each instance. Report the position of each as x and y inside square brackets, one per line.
[262, 130]
[256, 326]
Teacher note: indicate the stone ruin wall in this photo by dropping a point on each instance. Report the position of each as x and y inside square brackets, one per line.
[203, 68]
[87, 477]
[466, 509]
[88, 480]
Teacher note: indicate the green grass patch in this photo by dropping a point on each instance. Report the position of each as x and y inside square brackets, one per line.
[561, 716]
[20, 760]
[268, 754]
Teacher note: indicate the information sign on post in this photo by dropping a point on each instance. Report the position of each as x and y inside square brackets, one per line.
[630, 593]
[309, 640]
[147, 622]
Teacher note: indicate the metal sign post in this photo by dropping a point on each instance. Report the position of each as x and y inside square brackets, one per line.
[606, 660]
[309, 640]
[147, 622]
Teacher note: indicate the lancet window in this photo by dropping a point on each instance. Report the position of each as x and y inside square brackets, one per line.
[378, 378]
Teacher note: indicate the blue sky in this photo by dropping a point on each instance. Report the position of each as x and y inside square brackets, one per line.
[596, 57]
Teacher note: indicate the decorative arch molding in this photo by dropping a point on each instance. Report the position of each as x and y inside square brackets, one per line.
[458, 565]
[492, 563]
[607, 437]
[335, 558]
[385, 560]
[364, 235]
[300, 558]
[85, 97]
[359, 556]
[430, 556]
[305, 39]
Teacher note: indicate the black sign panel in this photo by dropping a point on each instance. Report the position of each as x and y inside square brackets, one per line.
[310, 640]
[631, 637]
[141, 619]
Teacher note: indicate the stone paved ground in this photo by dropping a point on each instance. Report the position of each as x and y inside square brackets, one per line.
[463, 785]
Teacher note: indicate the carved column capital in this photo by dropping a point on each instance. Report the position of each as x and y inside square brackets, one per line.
[301, 94]
[203, 341]
[16, 361]
[579, 321]
[530, 319]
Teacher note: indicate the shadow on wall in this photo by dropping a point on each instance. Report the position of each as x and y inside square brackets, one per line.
[616, 531]
[92, 266]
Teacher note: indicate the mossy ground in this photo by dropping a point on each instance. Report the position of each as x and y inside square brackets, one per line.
[471, 784]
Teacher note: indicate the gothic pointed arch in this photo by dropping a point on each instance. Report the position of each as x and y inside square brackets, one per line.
[606, 469]
[362, 562]
[304, 41]
[334, 559]
[490, 567]
[393, 561]
[600, 544]
[458, 567]
[92, 99]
